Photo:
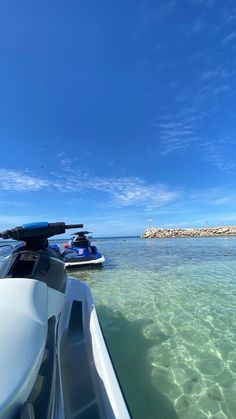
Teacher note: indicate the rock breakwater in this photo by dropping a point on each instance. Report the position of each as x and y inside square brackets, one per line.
[155, 232]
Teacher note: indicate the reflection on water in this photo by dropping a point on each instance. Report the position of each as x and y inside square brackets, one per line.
[130, 348]
[168, 311]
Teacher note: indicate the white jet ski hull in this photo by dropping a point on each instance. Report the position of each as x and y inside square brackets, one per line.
[98, 261]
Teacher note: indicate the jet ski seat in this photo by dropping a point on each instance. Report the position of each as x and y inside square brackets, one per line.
[23, 331]
[43, 265]
[81, 243]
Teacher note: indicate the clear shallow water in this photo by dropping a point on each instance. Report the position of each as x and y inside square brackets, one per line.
[168, 312]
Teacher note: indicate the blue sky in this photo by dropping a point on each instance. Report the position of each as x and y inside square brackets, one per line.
[113, 113]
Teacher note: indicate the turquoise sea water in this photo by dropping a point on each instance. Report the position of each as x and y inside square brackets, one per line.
[168, 312]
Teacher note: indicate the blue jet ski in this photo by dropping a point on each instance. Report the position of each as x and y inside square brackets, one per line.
[53, 358]
[80, 252]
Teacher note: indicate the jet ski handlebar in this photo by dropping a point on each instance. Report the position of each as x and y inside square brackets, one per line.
[41, 230]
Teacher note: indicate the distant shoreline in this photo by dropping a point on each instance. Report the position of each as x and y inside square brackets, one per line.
[155, 232]
[98, 238]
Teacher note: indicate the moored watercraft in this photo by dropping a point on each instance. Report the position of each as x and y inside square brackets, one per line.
[80, 252]
[53, 358]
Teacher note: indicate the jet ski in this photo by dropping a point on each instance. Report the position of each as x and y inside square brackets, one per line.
[54, 362]
[79, 252]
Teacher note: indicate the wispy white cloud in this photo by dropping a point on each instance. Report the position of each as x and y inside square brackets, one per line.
[166, 7]
[214, 196]
[198, 207]
[61, 154]
[175, 135]
[123, 191]
[173, 125]
[207, 3]
[225, 21]
[213, 73]
[206, 92]
[167, 203]
[230, 37]
[4, 202]
[230, 15]
[221, 89]
[13, 180]
[214, 153]
[185, 132]
[134, 193]
[66, 164]
[152, 12]
[196, 27]
[224, 200]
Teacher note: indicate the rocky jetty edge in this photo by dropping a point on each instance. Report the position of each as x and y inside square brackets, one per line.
[155, 232]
